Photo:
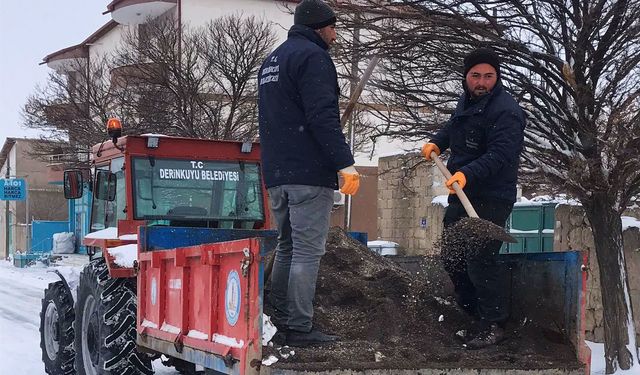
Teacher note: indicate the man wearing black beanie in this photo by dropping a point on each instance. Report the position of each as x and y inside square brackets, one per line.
[485, 135]
[302, 149]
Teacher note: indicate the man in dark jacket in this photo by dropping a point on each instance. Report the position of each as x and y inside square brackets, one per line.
[303, 149]
[485, 135]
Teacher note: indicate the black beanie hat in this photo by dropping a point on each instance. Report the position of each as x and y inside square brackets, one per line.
[482, 56]
[314, 14]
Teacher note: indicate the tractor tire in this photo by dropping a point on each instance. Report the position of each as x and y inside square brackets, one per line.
[56, 330]
[106, 325]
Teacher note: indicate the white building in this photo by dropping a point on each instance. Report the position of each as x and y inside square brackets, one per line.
[128, 16]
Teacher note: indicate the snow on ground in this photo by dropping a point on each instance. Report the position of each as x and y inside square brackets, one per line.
[629, 222]
[21, 292]
[597, 361]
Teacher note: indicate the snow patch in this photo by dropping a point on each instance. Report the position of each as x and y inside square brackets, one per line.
[198, 335]
[149, 324]
[124, 255]
[129, 237]
[110, 233]
[547, 199]
[169, 328]
[269, 361]
[228, 341]
[442, 200]
[286, 352]
[268, 329]
[629, 222]
[598, 364]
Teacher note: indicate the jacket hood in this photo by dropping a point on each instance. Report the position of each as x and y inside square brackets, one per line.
[301, 31]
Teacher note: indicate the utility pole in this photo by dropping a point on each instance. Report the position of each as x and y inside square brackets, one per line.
[6, 206]
[27, 219]
[351, 132]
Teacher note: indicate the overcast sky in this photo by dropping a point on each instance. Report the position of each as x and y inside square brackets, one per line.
[30, 30]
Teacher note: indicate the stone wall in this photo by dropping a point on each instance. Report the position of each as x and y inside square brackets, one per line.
[572, 232]
[406, 215]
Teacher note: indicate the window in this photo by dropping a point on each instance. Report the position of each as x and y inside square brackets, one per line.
[105, 214]
[226, 193]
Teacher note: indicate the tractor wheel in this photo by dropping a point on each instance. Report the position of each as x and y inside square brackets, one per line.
[56, 330]
[106, 325]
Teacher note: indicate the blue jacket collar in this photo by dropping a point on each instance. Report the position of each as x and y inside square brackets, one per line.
[301, 31]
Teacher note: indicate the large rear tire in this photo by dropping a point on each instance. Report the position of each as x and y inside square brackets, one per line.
[106, 325]
[56, 330]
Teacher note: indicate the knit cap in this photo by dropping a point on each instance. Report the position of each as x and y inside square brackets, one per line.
[314, 14]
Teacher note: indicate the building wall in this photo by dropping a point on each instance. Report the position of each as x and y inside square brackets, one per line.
[572, 232]
[46, 202]
[108, 43]
[197, 13]
[406, 188]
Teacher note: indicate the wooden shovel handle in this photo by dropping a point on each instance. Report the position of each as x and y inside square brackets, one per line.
[461, 195]
[358, 90]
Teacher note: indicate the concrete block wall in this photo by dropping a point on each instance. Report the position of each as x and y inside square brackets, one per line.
[572, 232]
[406, 188]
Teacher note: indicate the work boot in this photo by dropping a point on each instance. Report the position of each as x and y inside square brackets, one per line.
[280, 338]
[314, 337]
[491, 335]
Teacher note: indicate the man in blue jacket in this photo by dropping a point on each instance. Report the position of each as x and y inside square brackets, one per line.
[485, 136]
[303, 149]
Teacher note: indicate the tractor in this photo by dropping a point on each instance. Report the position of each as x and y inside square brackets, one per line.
[177, 234]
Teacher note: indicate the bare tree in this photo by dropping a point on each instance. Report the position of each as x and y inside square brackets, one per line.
[71, 110]
[575, 68]
[196, 82]
[165, 78]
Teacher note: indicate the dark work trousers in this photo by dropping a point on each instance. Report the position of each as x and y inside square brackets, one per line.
[302, 215]
[480, 283]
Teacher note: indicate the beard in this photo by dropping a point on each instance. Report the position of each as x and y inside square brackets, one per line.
[479, 91]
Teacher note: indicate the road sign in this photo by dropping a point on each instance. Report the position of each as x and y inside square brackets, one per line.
[13, 189]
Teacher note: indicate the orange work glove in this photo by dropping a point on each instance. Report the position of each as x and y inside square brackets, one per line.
[351, 179]
[457, 177]
[428, 148]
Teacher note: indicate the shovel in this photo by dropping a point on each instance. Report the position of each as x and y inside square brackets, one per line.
[474, 225]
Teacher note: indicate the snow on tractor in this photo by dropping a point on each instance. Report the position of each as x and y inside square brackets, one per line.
[177, 233]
